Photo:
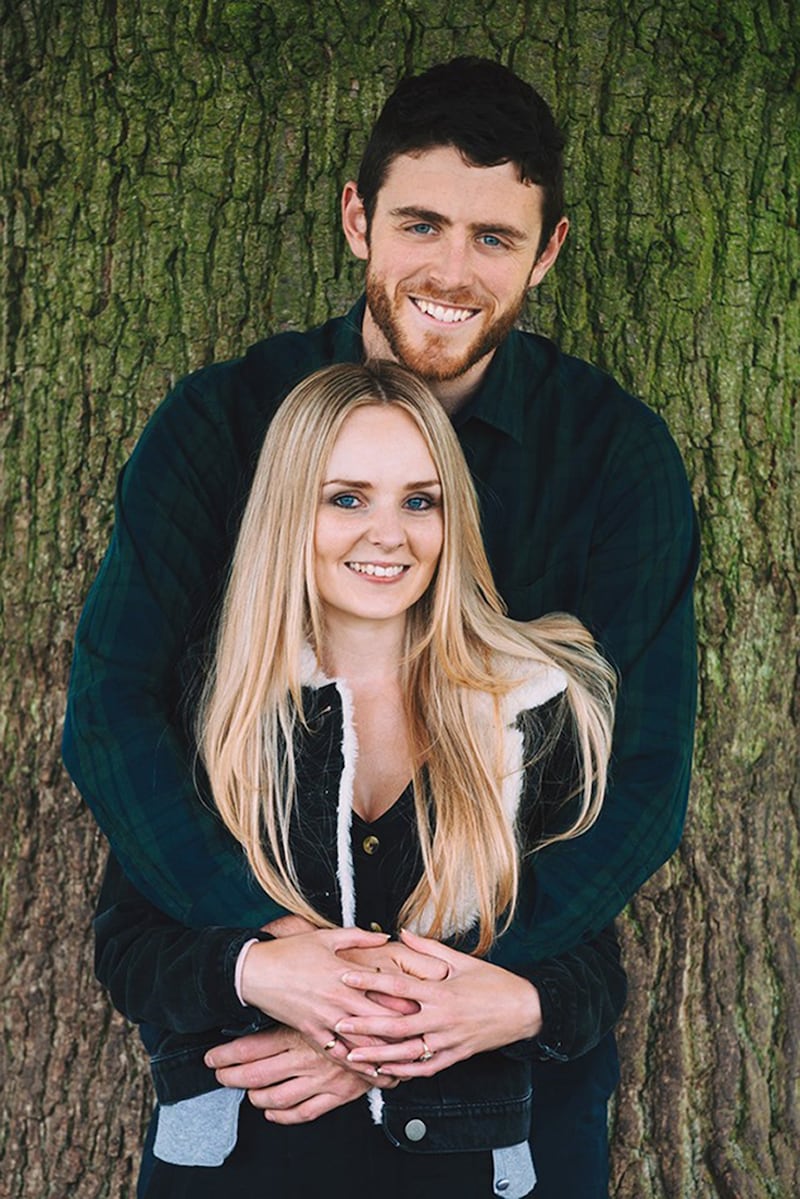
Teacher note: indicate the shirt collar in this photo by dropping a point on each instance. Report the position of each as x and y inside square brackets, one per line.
[499, 400]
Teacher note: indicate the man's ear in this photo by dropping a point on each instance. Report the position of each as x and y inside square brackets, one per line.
[550, 253]
[354, 221]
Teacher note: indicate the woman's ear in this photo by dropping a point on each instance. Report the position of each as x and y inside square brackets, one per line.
[354, 221]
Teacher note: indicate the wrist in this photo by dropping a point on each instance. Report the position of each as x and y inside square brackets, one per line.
[257, 965]
[529, 1010]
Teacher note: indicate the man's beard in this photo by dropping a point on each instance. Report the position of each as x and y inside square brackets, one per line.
[431, 358]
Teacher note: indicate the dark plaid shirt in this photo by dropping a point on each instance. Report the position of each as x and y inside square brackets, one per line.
[585, 509]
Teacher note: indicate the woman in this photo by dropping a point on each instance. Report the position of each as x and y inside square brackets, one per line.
[390, 751]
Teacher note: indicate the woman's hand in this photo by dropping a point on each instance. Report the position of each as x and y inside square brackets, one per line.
[298, 980]
[394, 956]
[477, 1007]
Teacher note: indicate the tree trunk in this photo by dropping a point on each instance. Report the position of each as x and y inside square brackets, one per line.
[170, 179]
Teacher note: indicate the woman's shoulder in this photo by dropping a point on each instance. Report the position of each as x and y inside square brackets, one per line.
[530, 683]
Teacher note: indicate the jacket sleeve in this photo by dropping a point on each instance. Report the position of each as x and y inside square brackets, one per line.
[160, 972]
[582, 994]
[125, 743]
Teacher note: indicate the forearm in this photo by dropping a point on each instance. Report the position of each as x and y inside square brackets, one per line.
[141, 645]
[636, 598]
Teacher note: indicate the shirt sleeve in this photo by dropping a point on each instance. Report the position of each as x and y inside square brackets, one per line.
[125, 740]
[637, 601]
[160, 972]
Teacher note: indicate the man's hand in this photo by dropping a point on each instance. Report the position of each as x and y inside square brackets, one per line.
[290, 1080]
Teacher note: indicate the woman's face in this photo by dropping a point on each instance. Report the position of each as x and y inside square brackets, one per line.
[379, 528]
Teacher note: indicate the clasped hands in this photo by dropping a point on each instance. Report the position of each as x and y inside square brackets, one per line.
[356, 1010]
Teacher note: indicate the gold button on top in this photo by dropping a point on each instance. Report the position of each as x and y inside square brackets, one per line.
[370, 845]
[375, 927]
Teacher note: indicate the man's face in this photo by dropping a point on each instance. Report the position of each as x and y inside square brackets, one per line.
[451, 254]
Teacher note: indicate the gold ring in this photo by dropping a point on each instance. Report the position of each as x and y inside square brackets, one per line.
[330, 1044]
[427, 1053]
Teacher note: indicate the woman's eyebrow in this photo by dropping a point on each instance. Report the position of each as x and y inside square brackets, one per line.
[362, 484]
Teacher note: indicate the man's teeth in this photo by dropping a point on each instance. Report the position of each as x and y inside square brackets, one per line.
[444, 314]
[382, 572]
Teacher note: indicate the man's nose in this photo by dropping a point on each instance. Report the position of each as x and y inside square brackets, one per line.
[451, 267]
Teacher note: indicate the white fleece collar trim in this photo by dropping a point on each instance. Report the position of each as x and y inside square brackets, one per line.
[312, 675]
[344, 816]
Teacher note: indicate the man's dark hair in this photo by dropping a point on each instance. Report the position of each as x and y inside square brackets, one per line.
[481, 109]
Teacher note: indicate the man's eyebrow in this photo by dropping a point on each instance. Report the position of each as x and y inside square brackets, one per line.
[437, 218]
[421, 214]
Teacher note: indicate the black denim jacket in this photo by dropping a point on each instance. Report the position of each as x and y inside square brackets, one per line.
[178, 983]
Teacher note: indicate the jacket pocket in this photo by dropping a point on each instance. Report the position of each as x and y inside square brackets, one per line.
[480, 1104]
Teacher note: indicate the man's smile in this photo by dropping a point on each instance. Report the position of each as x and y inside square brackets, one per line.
[446, 313]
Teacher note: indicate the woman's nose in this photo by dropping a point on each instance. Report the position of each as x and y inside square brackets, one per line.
[387, 529]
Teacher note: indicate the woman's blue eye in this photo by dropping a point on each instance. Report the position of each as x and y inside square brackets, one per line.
[418, 503]
[345, 501]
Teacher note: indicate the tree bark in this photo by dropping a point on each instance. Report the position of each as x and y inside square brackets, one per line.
[170, 180]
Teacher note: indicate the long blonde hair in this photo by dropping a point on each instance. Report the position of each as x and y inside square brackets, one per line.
[455, 634]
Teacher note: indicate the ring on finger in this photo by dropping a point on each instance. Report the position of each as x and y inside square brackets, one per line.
[427, 1053]
[330, 1044]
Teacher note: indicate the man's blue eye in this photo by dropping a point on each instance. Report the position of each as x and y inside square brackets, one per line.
[489, 239]
[421, 227]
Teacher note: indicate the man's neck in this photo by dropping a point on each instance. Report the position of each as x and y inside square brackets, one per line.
[452, 394]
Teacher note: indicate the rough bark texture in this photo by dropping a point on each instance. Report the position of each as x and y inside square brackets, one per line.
[170, 175]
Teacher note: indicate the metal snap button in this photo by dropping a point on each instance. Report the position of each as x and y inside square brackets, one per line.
[415, 1130]
[375, 927]
[370, 845]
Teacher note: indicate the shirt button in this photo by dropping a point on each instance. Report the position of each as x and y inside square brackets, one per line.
[415, 1130]
[501, 1185]
[375, 927]
[370, 845]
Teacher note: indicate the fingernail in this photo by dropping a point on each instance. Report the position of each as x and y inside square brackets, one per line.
[343, 1026]
[351, 980]
[209, 1060]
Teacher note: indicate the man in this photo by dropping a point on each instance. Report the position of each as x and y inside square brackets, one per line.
[457, 213]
